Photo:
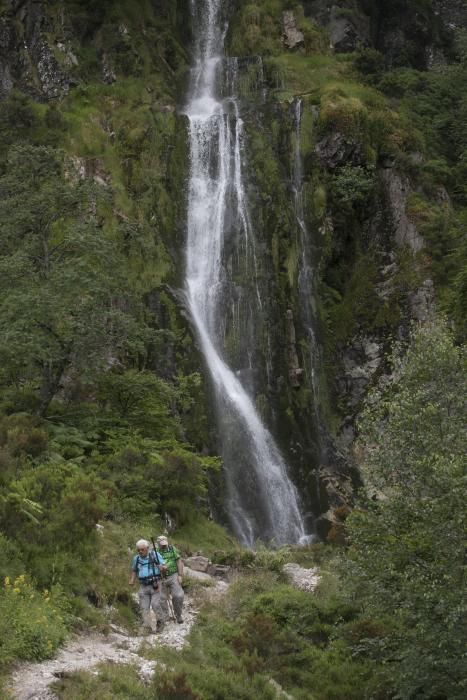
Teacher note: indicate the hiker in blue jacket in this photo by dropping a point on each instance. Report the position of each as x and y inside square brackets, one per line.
[148, 568]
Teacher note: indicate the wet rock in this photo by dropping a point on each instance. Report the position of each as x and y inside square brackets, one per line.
[335, 149]
[360, 361]
[348, 27]
[347, 433]
[6, 80]
[337, 492]
[198, 563]
[295, 371]
[108, 73]
[293, 38]
[387, 161]
[397, 189]
[421, 302]
[70, 58]
[330, 525]
[27, 60]
[452, 12]
[348, 31]
[324, 524]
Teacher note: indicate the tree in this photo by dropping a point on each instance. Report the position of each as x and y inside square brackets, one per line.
[64, 305]
[407, 543]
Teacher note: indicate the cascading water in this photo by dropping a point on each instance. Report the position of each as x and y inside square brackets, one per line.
[262, 502]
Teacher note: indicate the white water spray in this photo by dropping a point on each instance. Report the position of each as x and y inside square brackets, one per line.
[261, 499]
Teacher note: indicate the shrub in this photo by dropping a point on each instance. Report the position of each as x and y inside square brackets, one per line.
[352, 186]
[32, 624]
[369, 62]
[406, 557]
[23, 434]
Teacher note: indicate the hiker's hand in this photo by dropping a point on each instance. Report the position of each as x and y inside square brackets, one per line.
[163, 569]
[131, 582]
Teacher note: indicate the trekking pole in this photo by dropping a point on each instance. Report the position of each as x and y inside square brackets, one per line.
[170, 604]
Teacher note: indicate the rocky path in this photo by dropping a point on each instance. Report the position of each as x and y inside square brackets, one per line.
[304, 579]
[31, 681]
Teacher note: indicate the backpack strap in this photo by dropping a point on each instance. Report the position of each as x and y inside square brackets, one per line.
[154, 559]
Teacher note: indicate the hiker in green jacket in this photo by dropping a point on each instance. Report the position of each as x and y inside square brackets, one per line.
[173, 576]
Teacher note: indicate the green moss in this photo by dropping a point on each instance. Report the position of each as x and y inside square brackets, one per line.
[292, 74]
[319, 200]
[292, 264]
[256, 29]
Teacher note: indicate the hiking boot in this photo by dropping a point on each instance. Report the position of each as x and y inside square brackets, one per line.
[180, 620]
[160, 626]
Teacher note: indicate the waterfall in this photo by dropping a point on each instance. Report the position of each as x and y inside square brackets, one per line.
[261, 500]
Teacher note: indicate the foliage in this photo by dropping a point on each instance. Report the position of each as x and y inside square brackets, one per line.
[352, 186]
[153, 477]
[262, 630]
[58, 542]
[406, 550]
[369, 62]
[118, 682]
[256, 30]
[65, 310]
[32, 624]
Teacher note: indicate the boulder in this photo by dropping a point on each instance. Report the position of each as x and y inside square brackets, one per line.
[196, 575]
[348, 30]
[198, 563]
[292, 36]
[219, 570]
[304, 579]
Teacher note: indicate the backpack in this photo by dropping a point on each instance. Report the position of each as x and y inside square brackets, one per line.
[153, 558]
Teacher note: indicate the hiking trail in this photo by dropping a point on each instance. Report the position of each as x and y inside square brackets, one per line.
[83, 652]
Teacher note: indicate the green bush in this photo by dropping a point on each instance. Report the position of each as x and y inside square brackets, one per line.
[406, 559]
[32, 624]
[352, 186]
[113, 682]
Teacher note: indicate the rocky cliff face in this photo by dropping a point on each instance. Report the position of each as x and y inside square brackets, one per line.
[29, 61]
[415, 33]
[115, 77]
[48, 47]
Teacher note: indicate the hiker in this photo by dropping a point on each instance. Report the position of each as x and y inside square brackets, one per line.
[148, 568]
[173, 576]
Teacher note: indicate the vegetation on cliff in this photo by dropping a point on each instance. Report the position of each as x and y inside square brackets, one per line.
[104, 415]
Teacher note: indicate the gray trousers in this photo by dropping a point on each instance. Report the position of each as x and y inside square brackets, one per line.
[173, 587]
[150, 598]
